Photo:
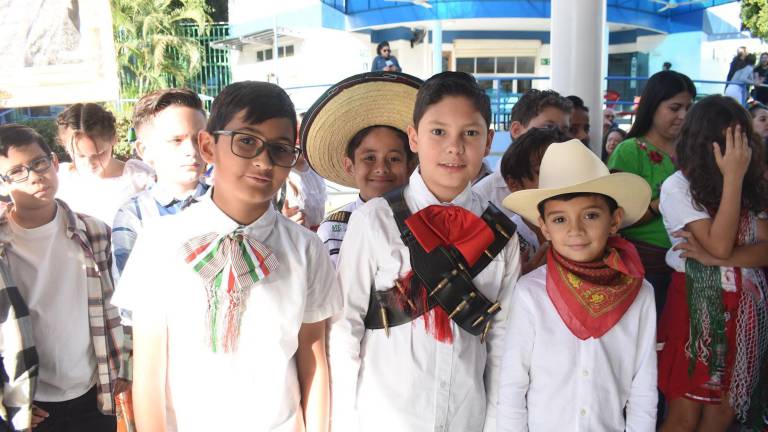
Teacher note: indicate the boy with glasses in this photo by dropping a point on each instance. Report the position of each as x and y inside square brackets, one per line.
[230, 298]
[61, 261]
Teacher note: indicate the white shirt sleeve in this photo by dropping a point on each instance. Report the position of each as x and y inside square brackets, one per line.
[678, 209]
[356, 269]
[323, 292]
[496, 336]
[643, 394]
[514, 378]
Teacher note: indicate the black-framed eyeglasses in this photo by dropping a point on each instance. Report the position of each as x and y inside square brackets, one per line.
[20, 173]
[249, 146]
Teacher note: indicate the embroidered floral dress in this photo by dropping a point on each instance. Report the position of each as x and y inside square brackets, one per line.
[639, 156]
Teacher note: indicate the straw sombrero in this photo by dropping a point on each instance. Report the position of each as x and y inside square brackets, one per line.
[369, 99]
[570, 167]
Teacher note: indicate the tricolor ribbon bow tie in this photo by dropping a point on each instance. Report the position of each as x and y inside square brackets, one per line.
[229, 264]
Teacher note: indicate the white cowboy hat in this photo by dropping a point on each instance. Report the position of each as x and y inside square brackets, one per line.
[570, 167]
[357, 102]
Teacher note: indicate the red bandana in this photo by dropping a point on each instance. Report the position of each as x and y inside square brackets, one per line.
[592, 297]
[456, 226]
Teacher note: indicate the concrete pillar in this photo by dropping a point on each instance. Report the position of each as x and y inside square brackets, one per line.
[437, 47]
[578, 53]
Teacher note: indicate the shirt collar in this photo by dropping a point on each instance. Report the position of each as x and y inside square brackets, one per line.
[165, 198]
[214, 219]
[419, 195]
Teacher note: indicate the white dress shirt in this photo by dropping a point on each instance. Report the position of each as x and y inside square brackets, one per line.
[553, 381]
[493, 189]
[256, 387]
[409, 381]
[332, 232]
[306, 190]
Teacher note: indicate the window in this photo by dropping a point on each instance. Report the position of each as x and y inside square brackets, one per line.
[524, 85]
[267, 54]
[505, 65]
[486, 65]
[465, 65]
[526, 64]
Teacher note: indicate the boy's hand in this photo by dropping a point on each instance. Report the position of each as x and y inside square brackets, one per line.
[38, 415]
[293, 213]
[692, 249]
[735, 160]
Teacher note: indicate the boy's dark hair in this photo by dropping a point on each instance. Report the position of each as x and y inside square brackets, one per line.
[451, 84]
[704, 124]
[91, 119]
[533, 102]
[16, 135]
[526, 152]
[578, 103]
[356, 140]
[660, 87]
[261, 101]
[151, 104]
[380, 46]
[610, 202]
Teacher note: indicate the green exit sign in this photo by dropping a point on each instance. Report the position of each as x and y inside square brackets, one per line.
[544, 61]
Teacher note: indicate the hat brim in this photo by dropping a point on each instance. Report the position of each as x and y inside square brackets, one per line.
[631, 192]
[360, 101]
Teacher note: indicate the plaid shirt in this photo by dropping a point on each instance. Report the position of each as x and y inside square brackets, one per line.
[19, 357]
[151, 203]
[107, 335]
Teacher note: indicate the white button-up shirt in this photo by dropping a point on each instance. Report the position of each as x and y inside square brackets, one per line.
[553, 381]
[409, 381]
[256, 387]
[332, 232]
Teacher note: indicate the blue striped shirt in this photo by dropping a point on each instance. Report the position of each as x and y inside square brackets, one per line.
[151, 203]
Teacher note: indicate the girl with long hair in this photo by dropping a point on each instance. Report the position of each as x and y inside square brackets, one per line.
[714, 329]
[649, 152]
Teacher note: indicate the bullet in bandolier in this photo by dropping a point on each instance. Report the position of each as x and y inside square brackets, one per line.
[478, 321]
[383, 312]
[501, 230]
[384, 320]
[494, 307]
[401, 288]
[443, 283]
[462, 305]
[488, 254]
[485, 332]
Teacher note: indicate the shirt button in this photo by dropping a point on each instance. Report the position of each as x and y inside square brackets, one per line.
[443, 384]
[585, 373]
[583, 412]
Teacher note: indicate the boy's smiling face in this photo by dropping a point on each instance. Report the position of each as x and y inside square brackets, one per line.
[247, 185]
[579, 227]
[380, 164]
[451, 140]
[39, 189]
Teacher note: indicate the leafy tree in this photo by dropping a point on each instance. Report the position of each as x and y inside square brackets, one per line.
[754, 16]
[152, 49]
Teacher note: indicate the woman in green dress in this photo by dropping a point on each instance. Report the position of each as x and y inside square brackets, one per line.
[649, 151]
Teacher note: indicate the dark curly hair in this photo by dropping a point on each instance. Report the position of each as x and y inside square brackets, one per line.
[705, 124]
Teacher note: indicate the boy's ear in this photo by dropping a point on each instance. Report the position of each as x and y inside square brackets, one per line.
[413, 139]
[141, 149]
[616, 219]
[544, 230]
[348, 165]
[516, 129]
[206, 143]
[54, 162]
[489, 142]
